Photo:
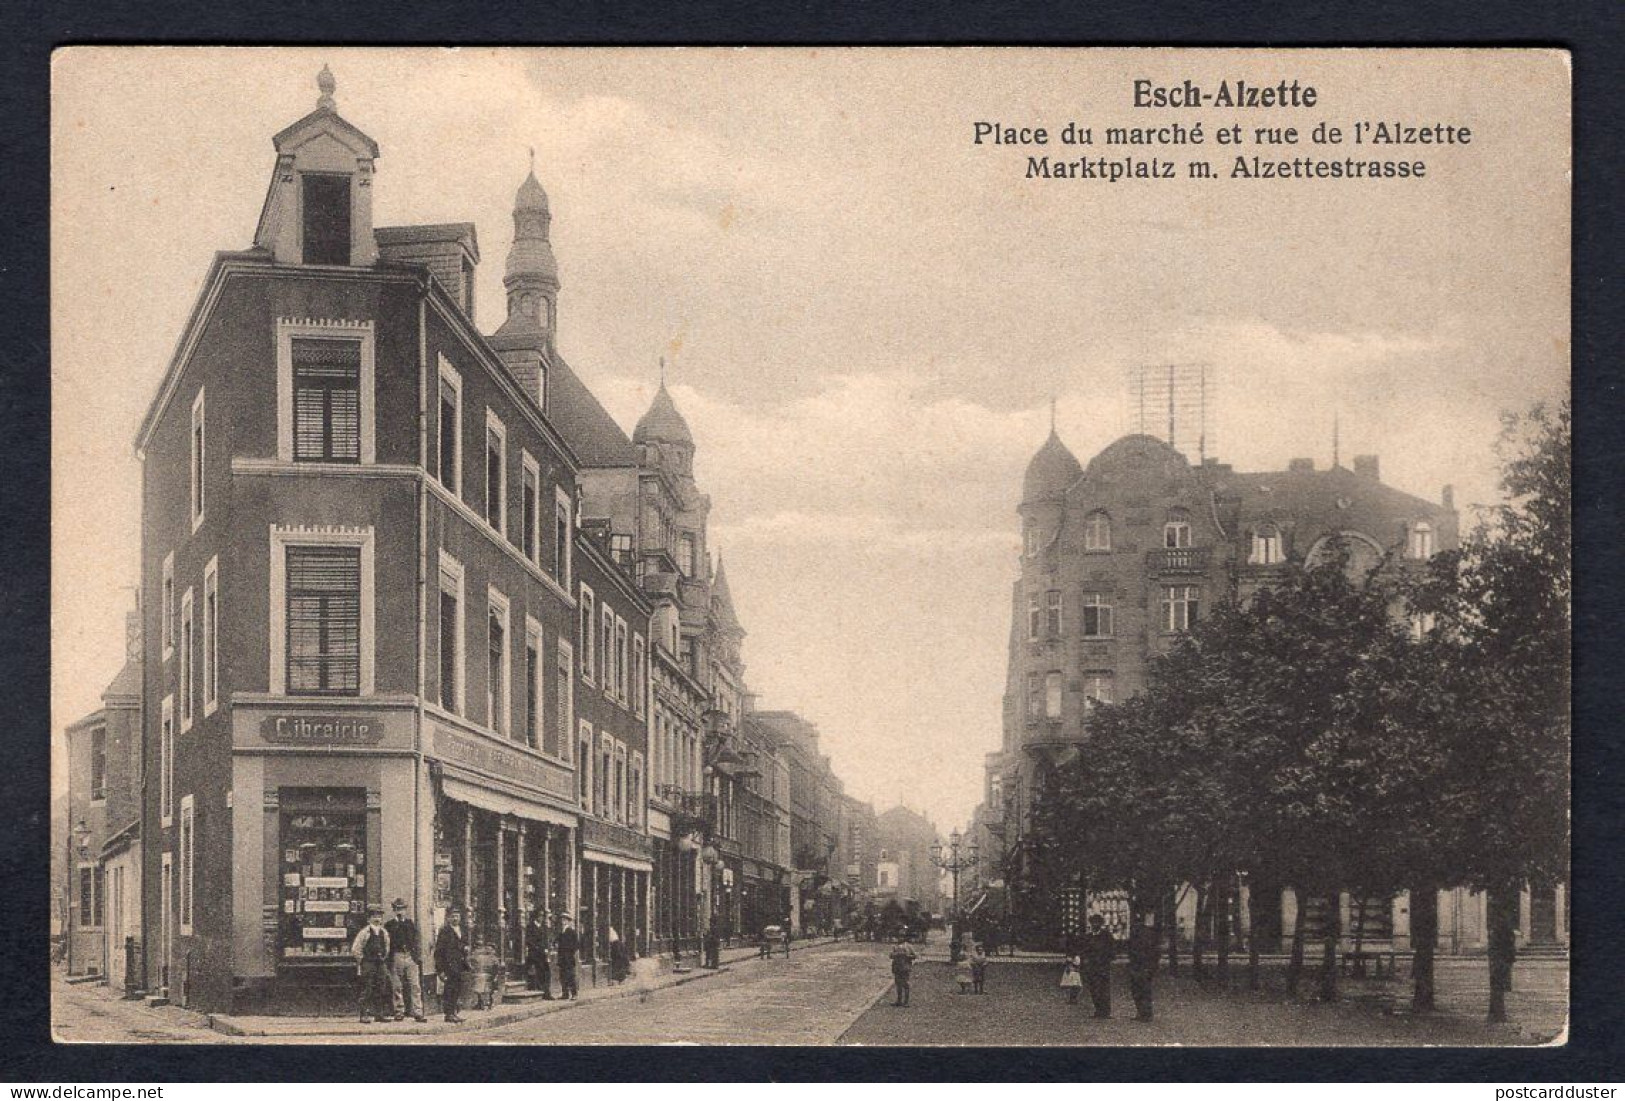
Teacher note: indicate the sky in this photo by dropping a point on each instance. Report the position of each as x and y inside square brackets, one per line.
[865, 315]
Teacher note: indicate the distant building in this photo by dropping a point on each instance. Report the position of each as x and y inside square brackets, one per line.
[903, 869]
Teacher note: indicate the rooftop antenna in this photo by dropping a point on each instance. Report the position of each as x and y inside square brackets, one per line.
[533, 160]
[1336, 426]
[662, 370]
[1052, 414]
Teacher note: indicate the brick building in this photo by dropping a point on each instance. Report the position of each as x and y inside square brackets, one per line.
[1121, 557]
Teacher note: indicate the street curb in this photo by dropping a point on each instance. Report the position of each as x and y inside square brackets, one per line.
[494, 1019]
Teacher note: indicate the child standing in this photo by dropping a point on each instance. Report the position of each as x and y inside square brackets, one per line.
[1072, 979]
[978, 969]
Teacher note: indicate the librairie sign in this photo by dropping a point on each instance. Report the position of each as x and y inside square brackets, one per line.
[321, 730]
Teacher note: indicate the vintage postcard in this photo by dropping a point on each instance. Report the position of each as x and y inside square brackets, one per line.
[810, 546]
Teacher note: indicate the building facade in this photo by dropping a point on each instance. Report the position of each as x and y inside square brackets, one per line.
[1119, 559]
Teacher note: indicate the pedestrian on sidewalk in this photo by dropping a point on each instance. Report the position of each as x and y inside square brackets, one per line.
[620, 962]
[713, 948]
[902, 970]
[1099, 946]
[451, 964]
[964, 976]
[1071, 980]
[786, 941]
[978, 969]
[645, 975]
[371, 951]
[405, 964]
[538, 967]
[568, 947]
[1142, 965]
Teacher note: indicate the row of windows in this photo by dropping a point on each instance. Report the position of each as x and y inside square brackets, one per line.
[1265, 542]
[1044, 692]
[609, 784]
[533, 726]
[606, 658]
[676, 752]
[533, 534]
[1046, 618]
[179, 633]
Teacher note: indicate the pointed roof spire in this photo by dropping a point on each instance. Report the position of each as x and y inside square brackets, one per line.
[663, 422]
[326, 85]
[1052, 414]
[721, 595]
[662, 372]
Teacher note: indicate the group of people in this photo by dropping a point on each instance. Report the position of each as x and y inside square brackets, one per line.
[389, 963]
[1090, 965]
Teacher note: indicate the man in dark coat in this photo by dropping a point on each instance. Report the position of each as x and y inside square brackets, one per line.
[713, 947]
[451, 963]
[1142, 966]
[1098, 949]
[539, 969]
[405, 964]
[568, 946]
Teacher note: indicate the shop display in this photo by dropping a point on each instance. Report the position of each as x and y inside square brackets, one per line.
[323, 884]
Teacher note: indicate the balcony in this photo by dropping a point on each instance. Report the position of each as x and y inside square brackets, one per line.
[1177, 560]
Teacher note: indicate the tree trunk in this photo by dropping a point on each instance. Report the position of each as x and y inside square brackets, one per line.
[1328, 950]
[1294, 965]
[1221, 919]
[1254, 924]
[1171, 901]
[1204, 902]
[1359, 936]
[1424, 939]
[1502, 912]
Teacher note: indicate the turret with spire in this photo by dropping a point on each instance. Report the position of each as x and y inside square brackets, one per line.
[525, 340]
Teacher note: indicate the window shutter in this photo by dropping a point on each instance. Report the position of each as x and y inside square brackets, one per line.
[324, 620]
[327, 400]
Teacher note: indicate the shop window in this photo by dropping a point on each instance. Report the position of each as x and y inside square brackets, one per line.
[326, 223]
[1097, 616]
[324, 876]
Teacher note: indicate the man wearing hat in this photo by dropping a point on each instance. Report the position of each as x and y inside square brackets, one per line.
[405, 964]
[371, 951]
[1098, 949]
[568, 946]
[451, 964]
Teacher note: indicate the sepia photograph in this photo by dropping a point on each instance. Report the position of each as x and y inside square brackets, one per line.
[928, 547]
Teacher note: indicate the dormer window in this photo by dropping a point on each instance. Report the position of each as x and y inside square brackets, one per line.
[326, 205]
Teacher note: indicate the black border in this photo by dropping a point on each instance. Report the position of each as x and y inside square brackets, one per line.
[1591, 30]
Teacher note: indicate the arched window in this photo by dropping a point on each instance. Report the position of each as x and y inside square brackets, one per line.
[1097, 531]
[1176, 533]
[1420, 541]
[1266, 547]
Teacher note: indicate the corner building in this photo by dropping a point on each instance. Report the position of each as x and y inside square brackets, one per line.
[360, 530]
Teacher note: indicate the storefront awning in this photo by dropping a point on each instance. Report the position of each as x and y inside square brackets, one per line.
[503, 802]
[599, 857]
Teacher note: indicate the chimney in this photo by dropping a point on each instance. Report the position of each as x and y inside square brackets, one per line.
[1366, 466]
[1447, 496]
[1301, 466]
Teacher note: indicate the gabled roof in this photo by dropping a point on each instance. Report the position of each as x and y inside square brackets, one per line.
[326, 119]
[584, 423]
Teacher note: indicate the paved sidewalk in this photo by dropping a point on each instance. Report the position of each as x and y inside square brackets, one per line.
[475, 1020]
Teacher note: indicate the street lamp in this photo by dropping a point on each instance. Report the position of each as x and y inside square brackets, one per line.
[953, 861]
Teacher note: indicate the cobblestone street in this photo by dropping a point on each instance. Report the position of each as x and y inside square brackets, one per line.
[840, 993]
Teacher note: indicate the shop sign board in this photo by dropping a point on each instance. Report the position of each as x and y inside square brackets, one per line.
[510, 765]
[322, 729]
